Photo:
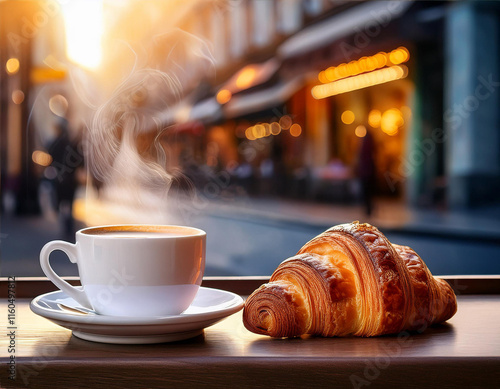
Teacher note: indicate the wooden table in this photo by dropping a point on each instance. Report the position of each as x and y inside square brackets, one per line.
[465, 352]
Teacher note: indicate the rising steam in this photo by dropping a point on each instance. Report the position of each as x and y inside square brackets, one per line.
[122, 146]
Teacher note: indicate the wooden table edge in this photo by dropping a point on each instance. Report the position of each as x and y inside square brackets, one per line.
[30, 287]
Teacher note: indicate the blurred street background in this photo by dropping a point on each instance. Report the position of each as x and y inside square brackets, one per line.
[262, 122]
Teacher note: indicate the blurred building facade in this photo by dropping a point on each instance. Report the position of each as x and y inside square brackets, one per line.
[298, 85]
[435, 125]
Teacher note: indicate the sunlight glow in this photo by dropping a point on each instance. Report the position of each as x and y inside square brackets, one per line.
[84, 26]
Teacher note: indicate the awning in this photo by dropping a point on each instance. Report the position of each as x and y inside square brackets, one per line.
[207, 110]
[251, 75]
[258, 101]
[369, 16]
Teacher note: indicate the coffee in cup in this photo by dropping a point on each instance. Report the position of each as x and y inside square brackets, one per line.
[133, 270]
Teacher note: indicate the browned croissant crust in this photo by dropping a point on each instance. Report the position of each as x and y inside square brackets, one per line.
[349, 280]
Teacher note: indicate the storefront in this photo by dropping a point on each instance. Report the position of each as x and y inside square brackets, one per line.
[368, 97]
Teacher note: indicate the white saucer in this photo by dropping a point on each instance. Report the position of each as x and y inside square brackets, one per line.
[209, 307]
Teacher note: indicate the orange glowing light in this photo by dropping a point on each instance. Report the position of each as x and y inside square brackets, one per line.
[224, 96]
[295, 130]
[391, 121]
[364, 64]
[322, 77]
[400, 55]
[381, 59]
[246, 78]
[41, 158]
[347, 117]
[374, 118]
[12, 65]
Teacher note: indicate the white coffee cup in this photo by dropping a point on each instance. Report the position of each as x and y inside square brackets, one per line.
[133, 270]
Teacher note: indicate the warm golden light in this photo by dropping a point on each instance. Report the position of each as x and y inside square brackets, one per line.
[12, 65]
[58, 105]
[259, 131]
[400, 55]
[391, 121]
[18, 96]
[246, 77]
[322, 77]
[364, 64]
[84, 26]
[360, 131]
[41, 158]
[347, 117]
[359, 82]
[262, 130]
[249, 133]
[223, 96]
[374, 118]
[381, 59]
[295, 130]
[267, 129]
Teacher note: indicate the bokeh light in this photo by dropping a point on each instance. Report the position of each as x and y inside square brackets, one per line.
[360, 131]
[41, 158]
[224, 96]
[259, 131]
[361, 81]
[12, 65]
[347, 117]
[285, 122]
[374, 118]
[18, 96]
[58, 105]
[391, 121]
[364, 64]
[275, 128]
[295, 130]
[246, 78]
[400, 55]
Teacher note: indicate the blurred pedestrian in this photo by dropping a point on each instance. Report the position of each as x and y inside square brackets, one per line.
[66, 160]
[366, 170]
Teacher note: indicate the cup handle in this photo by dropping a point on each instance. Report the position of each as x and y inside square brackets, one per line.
[70, 250]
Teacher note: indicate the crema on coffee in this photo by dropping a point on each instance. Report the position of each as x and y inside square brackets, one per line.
[142, 231]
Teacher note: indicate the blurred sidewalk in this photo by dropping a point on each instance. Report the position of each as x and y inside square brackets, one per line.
[388, 215]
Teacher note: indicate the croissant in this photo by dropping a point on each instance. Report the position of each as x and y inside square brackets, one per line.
[349, 281]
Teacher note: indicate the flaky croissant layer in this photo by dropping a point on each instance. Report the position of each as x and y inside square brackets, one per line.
[349, 280]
